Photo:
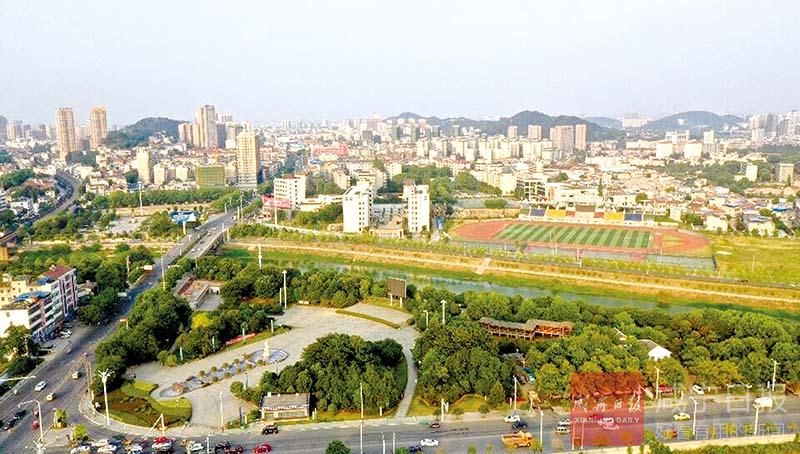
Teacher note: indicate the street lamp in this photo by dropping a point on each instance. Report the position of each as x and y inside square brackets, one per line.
[361, 423]
[104, 376]
[694, 416]
[774, 371]
[40, 443]
[221, 415]
[515, 393]
[426, 318]
[444, 303]
[658, 376]
[285, 295]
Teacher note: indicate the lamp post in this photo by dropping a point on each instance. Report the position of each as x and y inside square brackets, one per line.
[285, 295]
[104, 376]
[444, 303]
[774, 372]
[426, 318]
[755, 423]
[658, 376]
[541, 428]
[40, 442]
[694, 417]
[221, 415]
[515, 394]
[361, 423]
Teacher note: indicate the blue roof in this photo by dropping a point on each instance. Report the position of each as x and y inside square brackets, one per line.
[36, 294]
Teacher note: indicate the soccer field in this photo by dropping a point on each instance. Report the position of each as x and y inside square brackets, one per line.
[614, 238]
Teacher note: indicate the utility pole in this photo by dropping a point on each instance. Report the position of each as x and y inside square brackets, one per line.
[260, 256]
[104, 376]
[394, 440]
[515, 394]
[361, 424]
[658, 375]
[774, 372]
[139, 184]
[40, 443]
[221, 416]
[444, 303]
[426, 318]
[541, 428]
[755, 423]
[694, 416]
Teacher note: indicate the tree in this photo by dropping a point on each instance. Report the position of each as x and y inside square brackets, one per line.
[497, 396]
[337, 447]
[79, 433]
[641, 198]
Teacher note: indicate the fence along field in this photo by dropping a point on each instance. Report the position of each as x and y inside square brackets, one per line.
[604, 237]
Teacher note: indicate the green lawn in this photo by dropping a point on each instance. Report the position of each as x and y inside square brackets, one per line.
[132, 404]
[758, 259]
[577, 235]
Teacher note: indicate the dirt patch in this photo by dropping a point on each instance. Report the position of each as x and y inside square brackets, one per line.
[679, 242]
[480, 231]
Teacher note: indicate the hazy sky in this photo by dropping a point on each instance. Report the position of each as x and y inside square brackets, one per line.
[269, 60]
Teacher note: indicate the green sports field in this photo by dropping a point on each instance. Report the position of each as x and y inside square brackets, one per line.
[615, 238]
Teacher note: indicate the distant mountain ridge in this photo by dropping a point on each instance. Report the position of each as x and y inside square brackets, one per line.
[138, 133]
[521, 120]
[606, 122]
[695, 119]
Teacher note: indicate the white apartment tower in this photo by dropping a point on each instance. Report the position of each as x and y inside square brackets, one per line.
[98, 127]
[142, 166]
[356, 209]
[290, 187]
[65, 129]
[418, 207]
[248, 160]
[206, 120]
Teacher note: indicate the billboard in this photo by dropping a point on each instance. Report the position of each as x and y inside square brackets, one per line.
[397, 287]
[606, 409]
[182, 216]
[272, 203]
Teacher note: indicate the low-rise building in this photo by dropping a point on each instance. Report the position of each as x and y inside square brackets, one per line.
[285, 406]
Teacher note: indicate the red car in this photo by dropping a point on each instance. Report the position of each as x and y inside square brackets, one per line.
[262, 449]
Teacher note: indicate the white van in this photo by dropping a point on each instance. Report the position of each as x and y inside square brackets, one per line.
[764, 402]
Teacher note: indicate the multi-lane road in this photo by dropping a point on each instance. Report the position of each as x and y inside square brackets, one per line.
[58, 366]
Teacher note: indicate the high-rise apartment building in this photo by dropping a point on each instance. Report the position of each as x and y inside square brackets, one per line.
[291, 188]
[535, 132]
[3, 126]
[98, 127]
[513, 132]
[206, 120]
[356, 209]
[142, 165]
[65, 129]
[563, 138]
[418, 207]
[580, 137]
[248, 160]
[785, 172]
[185, 134]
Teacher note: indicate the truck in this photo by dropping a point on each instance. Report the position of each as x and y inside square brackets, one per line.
[519, 439]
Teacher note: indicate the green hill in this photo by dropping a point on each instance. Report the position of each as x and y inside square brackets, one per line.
[697, 119]
[521, 120]
[139, 132]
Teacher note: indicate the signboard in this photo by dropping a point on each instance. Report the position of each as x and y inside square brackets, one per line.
[397, 287]
[182, 216]
[606, 409]
[272, 203]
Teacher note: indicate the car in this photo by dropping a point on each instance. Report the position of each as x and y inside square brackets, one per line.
[415, 448]
[519, 425]
[222, 446]
[100, 443]
[40, 386]
[565, 422]
[681, 416]
[162, 444]
[76, 375]
[35, 424]
[429, 442]
[512, 418]
[135, 449]
[194, 446]
[80, 449]
[562, 430]
[262, 449]
[435, 425]
[21, 414]
[107, 449]
[698, 390]
[235, 450]
[50, 397]
[269, 429]
[9, 424]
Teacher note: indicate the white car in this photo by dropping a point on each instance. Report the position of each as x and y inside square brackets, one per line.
[135, 449]
[429, 442]
[512, 418]
[698, 390]
[195, 447]
[681, 416]
[565, 422]
[100, 443]
[81, 449]
[107, 449]
[40, 386]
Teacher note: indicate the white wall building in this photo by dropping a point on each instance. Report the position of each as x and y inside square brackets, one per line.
[356, 209]
[418, 207]
[291, 188]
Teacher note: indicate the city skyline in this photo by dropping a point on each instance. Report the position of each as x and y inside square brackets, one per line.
[657, 60]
